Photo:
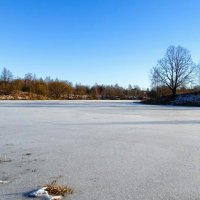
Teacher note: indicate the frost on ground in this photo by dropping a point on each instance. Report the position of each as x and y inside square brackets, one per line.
[105, 150]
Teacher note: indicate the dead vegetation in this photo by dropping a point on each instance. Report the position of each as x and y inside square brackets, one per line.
[4, 160]
[56, 189]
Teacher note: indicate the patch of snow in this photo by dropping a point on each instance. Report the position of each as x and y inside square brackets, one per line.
[42, 193]
[4, 182]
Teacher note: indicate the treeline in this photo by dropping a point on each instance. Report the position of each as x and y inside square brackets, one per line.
[31, 87]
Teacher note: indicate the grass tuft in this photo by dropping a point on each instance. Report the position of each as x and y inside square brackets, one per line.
[3, 160]
[57, 189]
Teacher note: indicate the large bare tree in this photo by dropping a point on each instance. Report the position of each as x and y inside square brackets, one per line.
[174, 70]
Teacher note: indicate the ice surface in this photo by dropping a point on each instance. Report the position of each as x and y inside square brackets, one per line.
[106, 150]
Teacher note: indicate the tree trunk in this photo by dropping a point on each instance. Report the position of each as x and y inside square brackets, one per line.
[174, 92]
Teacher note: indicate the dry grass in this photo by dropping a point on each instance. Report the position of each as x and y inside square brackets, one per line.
[57, 189]
[3, 160]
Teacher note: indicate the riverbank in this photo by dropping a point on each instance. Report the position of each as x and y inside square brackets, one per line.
[180, 100]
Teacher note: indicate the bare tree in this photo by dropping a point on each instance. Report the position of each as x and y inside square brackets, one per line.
[6, 75]
[174, 70]
[28, 79]
[6, 78]
[198, 72]
[58, 89]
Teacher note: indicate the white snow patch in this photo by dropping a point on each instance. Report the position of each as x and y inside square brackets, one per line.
[4, 182]
[42, 193]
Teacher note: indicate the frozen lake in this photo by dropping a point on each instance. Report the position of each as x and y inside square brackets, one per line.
[107, 150]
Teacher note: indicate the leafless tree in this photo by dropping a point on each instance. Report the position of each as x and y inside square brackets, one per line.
[58, 89]
[6, 78]
[198, 72]
[6, 75]
[174, 70]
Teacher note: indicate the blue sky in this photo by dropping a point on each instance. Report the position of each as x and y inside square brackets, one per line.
[95, 41]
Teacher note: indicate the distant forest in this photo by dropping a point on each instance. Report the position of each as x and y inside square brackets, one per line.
[31, 87]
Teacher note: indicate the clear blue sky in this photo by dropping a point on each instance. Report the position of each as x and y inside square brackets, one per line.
[89, 41]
